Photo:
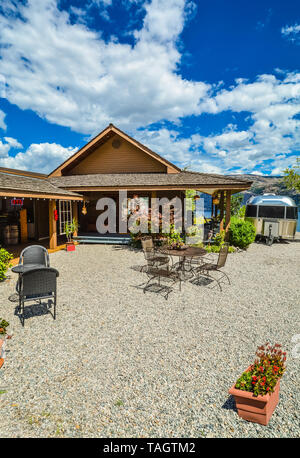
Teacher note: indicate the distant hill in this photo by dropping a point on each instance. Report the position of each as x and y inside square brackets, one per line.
[266, 184]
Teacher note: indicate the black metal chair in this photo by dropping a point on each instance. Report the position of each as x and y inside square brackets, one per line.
[35, 255]
[206, 268]
[164, 273]
[153, 257]
[37, 285]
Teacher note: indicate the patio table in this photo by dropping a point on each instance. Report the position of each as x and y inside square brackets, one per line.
[20, 268]
[189, 252]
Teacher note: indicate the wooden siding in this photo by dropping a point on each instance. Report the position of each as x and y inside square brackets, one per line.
[125, 159]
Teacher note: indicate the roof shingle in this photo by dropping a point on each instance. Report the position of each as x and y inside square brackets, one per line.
[31, 185]
[147, 179]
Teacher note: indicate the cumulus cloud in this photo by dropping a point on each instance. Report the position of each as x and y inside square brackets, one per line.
[42, 157]
[13, 143]
[7, 144]
[67, 74]
[2, 122]
[291, 32]
[70, 76]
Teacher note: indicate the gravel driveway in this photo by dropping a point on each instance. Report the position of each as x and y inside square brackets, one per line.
[120, 363]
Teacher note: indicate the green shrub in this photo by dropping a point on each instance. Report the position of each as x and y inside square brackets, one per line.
[5, 258]
[216, 249]
[217, 242]
[241, 233]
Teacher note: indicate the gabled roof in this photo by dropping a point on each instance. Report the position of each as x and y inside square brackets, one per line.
[101, 138]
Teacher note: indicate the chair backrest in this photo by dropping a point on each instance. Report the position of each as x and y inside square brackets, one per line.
[35, 254]
[147, 244]
[222, 255]
[38, 281]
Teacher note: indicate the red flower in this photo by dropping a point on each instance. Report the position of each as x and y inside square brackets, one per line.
[268, 388]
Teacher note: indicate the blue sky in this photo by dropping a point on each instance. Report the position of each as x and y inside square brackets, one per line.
[210, 85]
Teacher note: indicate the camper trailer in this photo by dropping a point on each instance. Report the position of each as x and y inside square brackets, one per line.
[274, 217]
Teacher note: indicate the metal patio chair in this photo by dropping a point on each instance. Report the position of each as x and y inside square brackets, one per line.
[160, 273]
[153, 257]
[37, 285]
[206, 268]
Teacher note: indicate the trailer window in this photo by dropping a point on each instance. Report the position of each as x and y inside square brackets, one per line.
[291, 212]
[251, 211]
[265, 211]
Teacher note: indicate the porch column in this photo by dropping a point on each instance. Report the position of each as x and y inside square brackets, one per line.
[75, 214]
[227, 215]
[52, 225]
[222, 211]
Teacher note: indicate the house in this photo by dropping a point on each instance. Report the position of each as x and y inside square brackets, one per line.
[39, 205]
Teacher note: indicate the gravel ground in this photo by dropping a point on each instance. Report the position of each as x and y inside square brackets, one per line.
[120, 363]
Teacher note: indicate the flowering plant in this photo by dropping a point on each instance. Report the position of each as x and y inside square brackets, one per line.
[3, 326]
[267, 369]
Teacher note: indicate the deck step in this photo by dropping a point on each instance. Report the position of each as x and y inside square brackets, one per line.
[102, 240]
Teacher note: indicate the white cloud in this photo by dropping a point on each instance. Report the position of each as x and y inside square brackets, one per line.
[7, 145]
[70, 76]
[4, 149]
[13, 143]
[2, 122]
[67, 74]
[42, 157]
[292, 32]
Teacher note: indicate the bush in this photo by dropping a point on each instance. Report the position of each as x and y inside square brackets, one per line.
[216, 249]
[217, 242]
[5, 258]
[265, 372]
[241, 233]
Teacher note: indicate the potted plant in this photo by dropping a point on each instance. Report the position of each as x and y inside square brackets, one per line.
[70, 228]
[256, 392]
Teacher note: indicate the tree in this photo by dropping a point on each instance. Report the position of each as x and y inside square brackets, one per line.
[292, 176]
[236, 203]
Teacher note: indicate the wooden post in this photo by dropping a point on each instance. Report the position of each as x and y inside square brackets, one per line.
[75, 214]
[23, 225]
[227, 215]
[222, 211]
[52, 225]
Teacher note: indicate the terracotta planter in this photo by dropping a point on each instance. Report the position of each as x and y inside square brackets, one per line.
[257, 409]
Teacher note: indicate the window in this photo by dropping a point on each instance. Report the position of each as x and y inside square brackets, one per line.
[251, 211]
[65, 214]
[291, 212]
[266, 211]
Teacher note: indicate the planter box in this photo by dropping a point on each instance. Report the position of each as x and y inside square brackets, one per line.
[257, 409]
[70, 246]
[2, 348]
